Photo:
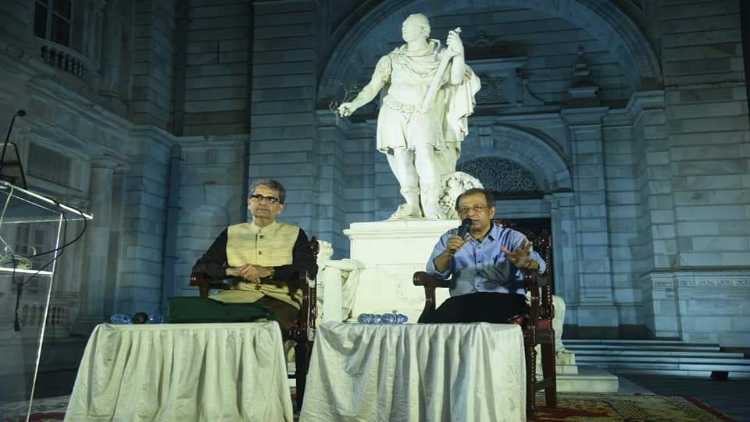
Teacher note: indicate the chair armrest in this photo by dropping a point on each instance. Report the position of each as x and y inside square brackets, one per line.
[429, 283]
[205, 283]
[198, 279]
[422, 278]
[541, 306]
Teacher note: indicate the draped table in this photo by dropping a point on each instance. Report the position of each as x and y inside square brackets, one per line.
[182, 372]
[416, 372]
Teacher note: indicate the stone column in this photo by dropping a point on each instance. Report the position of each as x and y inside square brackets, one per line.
[112, 49]
[658, 251]
[97, 247]
[331, 182]
[562, 216]
[284, 137]
[94, 38]
[596, 308]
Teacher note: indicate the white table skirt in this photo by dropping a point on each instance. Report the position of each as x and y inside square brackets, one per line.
[416, 372]
[183, 373]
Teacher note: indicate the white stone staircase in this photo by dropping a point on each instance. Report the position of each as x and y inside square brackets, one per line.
[662, 357]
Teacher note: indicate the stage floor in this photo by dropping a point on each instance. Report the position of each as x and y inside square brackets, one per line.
[727, 397]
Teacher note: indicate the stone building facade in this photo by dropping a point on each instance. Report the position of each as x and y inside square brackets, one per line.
[622, 123]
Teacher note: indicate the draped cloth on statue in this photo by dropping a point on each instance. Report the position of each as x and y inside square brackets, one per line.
[402, 123]
[182, 373]
[416, 372]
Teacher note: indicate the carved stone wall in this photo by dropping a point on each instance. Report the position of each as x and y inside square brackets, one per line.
[500, 175]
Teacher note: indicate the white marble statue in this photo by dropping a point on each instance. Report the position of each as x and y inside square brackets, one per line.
[337, 282]
[565, 360]
[454, 185]
[428, 95]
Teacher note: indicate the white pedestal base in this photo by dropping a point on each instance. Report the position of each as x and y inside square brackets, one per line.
[588, 380]
[392, 251]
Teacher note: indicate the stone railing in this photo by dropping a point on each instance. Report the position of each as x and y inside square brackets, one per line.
[64, 58]
[58, 316]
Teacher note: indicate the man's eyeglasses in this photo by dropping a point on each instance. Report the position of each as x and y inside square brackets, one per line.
[475, 208]
[262, 198]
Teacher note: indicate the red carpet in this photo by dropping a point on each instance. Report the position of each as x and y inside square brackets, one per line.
[572, 407]
[627, 407]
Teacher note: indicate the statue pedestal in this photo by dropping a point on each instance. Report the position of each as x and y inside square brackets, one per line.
[588, 379]
[392, 251]
[565, 361]
[572, 379]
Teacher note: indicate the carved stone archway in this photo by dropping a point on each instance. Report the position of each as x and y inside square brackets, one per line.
[501, 175]
[532, 150]
[603, 19]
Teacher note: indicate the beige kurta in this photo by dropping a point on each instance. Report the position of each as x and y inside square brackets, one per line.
[269, 246]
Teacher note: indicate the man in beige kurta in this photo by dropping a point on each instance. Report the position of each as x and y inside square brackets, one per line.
[265, 260]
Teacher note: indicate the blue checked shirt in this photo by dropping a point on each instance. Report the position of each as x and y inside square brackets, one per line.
[480, 266]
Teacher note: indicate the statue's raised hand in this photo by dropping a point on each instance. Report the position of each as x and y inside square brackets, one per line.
[454, 43]
[346, 109]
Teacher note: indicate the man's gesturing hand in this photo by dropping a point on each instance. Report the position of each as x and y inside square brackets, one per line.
[521, 257]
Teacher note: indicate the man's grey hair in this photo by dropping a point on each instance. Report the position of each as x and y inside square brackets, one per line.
[273, 184]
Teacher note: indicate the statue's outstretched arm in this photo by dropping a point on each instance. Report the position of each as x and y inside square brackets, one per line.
[379, 78]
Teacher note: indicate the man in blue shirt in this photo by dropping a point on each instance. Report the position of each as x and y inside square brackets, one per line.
[483, 266]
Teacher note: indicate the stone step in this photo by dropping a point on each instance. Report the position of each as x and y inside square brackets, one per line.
[677, 372]
[638, 345]
[647, 367]
[663, 357]
[648, 360]
[641, 347]
[588, 380]
[659, 353]
[625, 341]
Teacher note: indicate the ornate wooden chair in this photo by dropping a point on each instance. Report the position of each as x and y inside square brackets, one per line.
[303, 330]
[536, 324]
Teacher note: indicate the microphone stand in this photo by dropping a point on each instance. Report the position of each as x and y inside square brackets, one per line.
[19, 113]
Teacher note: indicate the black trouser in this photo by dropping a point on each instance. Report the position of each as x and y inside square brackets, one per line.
[285, 313]
[478, 307]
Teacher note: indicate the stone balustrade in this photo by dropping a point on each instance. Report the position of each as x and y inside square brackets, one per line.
[64, 58]
[31, 315]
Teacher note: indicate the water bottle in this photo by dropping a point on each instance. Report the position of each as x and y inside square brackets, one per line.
[364, 318]
[120, 319]
[386, 318]
[140, 318]
[395, 318]
[155, 319]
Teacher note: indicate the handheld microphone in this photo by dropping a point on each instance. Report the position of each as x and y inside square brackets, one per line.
[463, 229]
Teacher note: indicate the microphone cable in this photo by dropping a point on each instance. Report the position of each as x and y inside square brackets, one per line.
[61, 249]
